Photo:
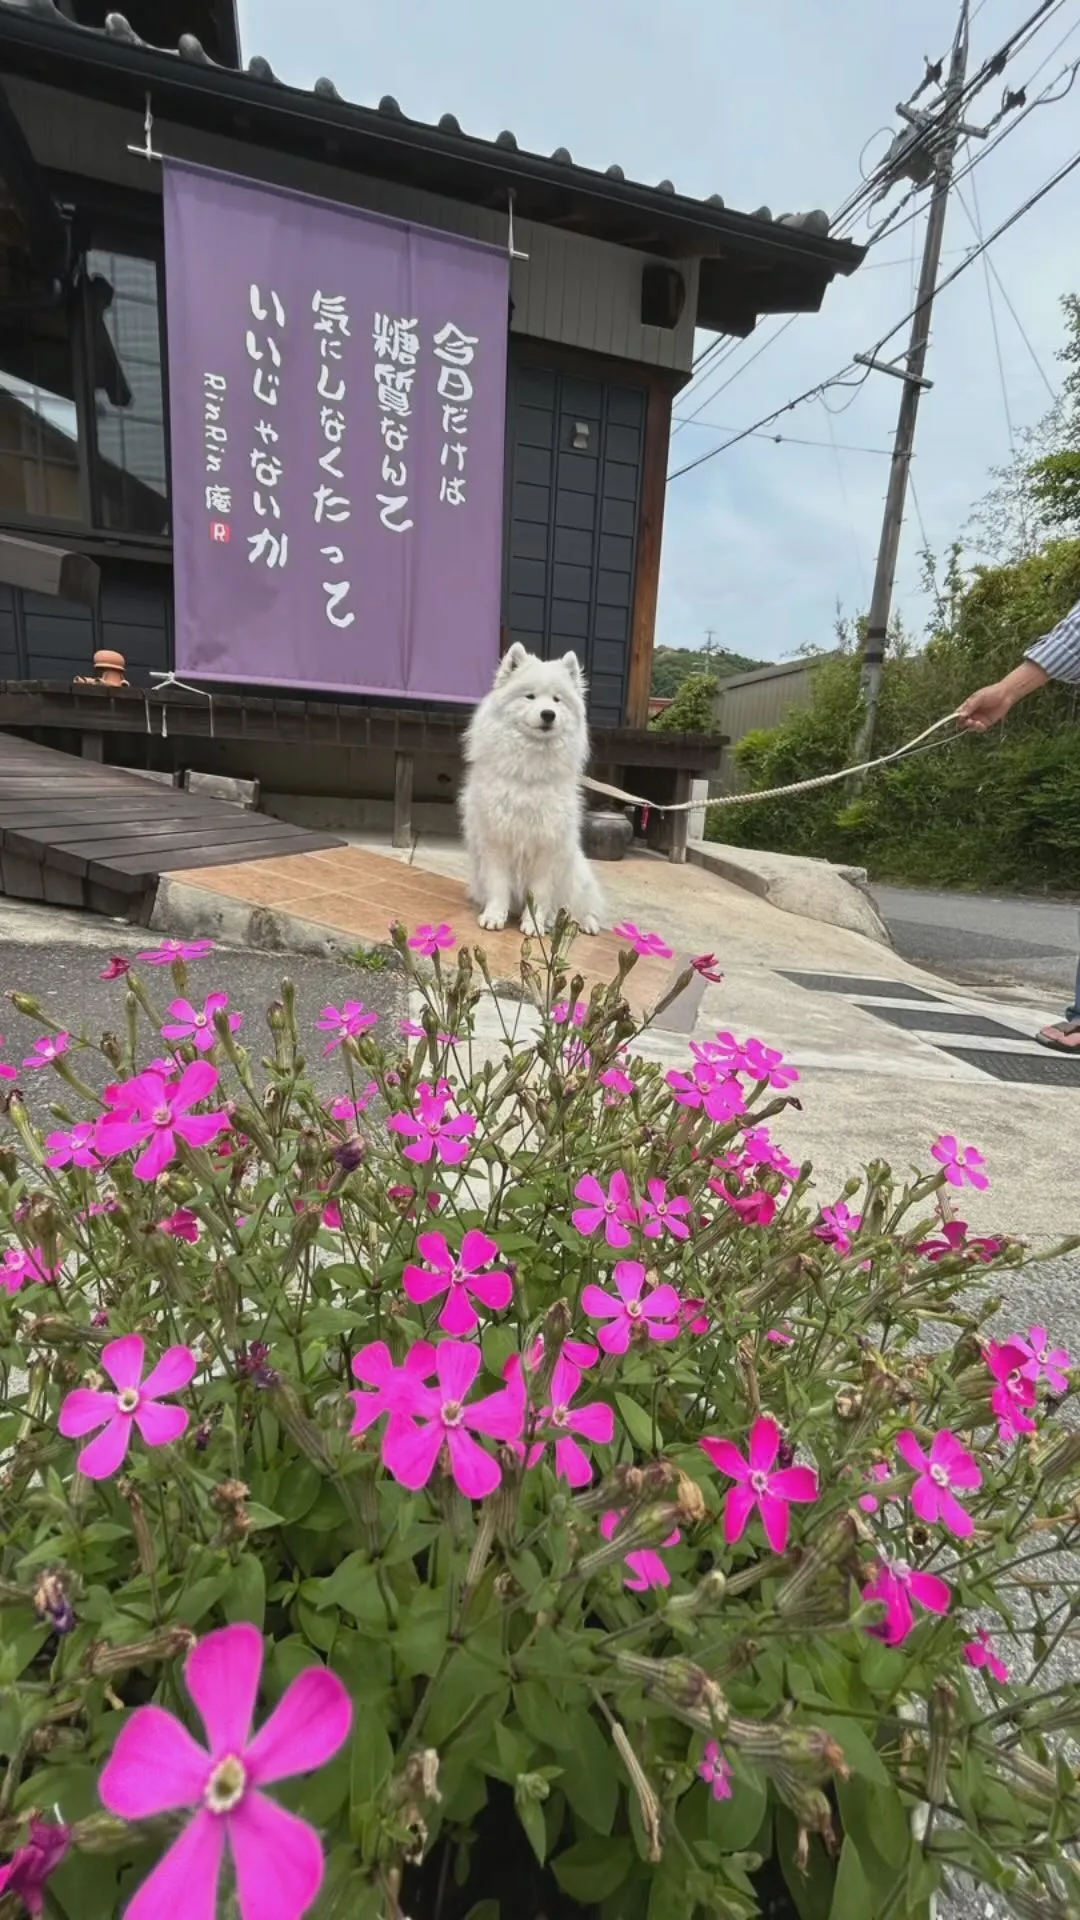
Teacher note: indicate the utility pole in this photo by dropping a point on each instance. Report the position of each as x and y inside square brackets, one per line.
[914, 386]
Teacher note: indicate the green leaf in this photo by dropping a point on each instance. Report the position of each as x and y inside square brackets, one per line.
[262, 1517]
[195, 1601]
[371, 1764]
[812, 1891]
[245, 1596]
[589, 1780]
[851, 1895]
[484, 1910]
[541, 1715]
[497, 1345]
[593, 1869]
[531, 1815]
[354, 1585]
[515, 1750]
[299, 1490]
[319, 1628]
[459, 1692]
[733, 1824]
[859, 1750]
[639, 1424]
[421, 1639]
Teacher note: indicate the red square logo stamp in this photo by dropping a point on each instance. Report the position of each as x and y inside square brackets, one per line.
[220, 531]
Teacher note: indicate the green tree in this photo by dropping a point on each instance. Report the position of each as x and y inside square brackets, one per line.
[673, 665]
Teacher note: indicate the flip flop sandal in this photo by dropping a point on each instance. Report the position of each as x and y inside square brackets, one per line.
[1063, 1037]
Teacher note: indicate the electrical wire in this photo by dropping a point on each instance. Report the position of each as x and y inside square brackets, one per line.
[976, 222]
[846, 504]
[713, 392]
[844, 377]
[790, 439]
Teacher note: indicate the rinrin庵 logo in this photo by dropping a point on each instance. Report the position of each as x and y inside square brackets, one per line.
[220, 531]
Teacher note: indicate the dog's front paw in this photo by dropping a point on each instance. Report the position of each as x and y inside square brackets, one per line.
[534, 924]
[590, 924]
[492, 919]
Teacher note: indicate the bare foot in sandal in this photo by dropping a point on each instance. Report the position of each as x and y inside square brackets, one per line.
[1062, 1037]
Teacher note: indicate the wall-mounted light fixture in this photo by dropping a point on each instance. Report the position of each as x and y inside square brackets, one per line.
[580, 441]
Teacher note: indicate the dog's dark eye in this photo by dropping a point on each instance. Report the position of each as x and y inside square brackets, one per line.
[555, 697]
[530, 696]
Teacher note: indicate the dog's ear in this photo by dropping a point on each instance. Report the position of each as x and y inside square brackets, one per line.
[513, 658]
[573, 665]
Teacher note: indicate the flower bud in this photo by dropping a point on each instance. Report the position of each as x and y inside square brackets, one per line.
[51, 1602]
[103, 1660]
[351, 1153]
[26, 1004]
[1062, 1459]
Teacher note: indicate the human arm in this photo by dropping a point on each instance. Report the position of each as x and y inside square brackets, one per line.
[1055, 657]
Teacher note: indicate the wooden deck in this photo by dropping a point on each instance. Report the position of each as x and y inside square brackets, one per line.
[76, 833]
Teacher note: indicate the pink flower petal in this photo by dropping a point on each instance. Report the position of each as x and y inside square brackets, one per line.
[629, 1278]
[954, 1516]
[598, 1304]
[458, 1315]
[662, 1303]
[83, 1411]
[222, 1675]
[571, 1463]
[410, 1452]
[595, 1422]
[434, 1249]
[907, 1446]
[196, 1083]
[279, 1860]
[725, 1455]
[616, 1337]
[421, 1286]
[305, 1730]
[474, 1471]
[159, 1154]
[764, 1444]
[105, 1454]
[155, 1767]
[159, 1422]
[738, 1507]
[123, 1360]
[795, 1483]
[477, 1250]
[457, 1365]
[775, 1518]
[185, 1880]
[930, 1592]
[173, 1371]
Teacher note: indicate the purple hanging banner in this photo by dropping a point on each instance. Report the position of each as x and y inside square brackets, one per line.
[337, 388]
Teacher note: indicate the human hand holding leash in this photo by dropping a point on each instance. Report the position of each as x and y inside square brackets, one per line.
[985, 708]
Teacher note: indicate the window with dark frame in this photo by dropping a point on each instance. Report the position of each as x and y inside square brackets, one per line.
[83, 439]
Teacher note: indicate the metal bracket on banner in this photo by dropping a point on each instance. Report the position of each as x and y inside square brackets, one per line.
[510, 247]
[164, 680]
[147, 151]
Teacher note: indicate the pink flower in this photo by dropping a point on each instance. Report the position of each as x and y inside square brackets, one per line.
[117, 968]
[47, 1049]
[980, 1653]
[563, 1014]
[756, 1208]
[345, 1023]
[954, 1239]
[963, 1165]
[171, 950]
[578, 1352]
[949, 1465]
[6, 1072]
[349, 1109]
[613, 1210]
[659, 1214]
[427, 1419]
[559, 1421]
[757, 1485]
[837, 1226]
[156, 1767]
[181, 1225]
[759, 1150]
[135, 1400]
[188, 1024]
[1014, 1392]
[896, 1585]
[1043, 1360]
[644, 1563]
[619, 1086]
[29, 1867]
[390, 1386]
[716, 1771]
[430, 940]
[694, 1317]
[719, 1095]
[656, 1311]
[74, 1149]
[767, 1063]
[880, 1470]
[19, 1265]
[432, 1132]
[458, 1276]
[780, 1338]
[649, 944]
[156, 1115]
[414, 1030]
[706, 964]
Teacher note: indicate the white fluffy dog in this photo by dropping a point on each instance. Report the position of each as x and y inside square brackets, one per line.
[525, 751]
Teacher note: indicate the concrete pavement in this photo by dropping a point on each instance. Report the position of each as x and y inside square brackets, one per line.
[1002, 942]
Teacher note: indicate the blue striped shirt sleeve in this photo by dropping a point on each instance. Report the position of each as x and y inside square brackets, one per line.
[1058, 653]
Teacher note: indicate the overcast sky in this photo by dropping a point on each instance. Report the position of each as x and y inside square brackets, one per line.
[770, 104]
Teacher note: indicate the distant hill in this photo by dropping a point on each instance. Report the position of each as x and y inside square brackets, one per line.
[673, 665]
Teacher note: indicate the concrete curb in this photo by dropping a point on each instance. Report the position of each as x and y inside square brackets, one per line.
[815, 889]
[193, 913]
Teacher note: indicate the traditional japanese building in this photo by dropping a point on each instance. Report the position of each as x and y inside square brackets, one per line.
[608, 280]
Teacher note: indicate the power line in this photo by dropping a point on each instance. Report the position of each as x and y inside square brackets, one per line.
[725, 384]
[790, 440]
[1004, 292]
[843, 377]
[1002, 382]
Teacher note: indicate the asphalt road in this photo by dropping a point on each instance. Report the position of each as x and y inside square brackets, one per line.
[987, 941]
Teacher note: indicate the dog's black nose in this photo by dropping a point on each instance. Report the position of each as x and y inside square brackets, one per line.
[547, 716]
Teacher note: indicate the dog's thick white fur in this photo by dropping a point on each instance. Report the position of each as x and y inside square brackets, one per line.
[526, 750]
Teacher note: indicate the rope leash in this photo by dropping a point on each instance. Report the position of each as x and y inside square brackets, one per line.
[775, 793]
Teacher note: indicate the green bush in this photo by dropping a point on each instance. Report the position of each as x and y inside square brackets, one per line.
[1000, 810]
[693, 708]
[594, 1661]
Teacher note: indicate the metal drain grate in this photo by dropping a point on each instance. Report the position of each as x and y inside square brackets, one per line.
[1022, 1069]
[860, 989]
[916, 1020]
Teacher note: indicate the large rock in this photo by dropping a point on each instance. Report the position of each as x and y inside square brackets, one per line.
[814, 888]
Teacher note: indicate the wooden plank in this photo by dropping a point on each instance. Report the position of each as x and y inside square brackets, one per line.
[75, 848]
[236, 854]
[680, 822]
[647, 556]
